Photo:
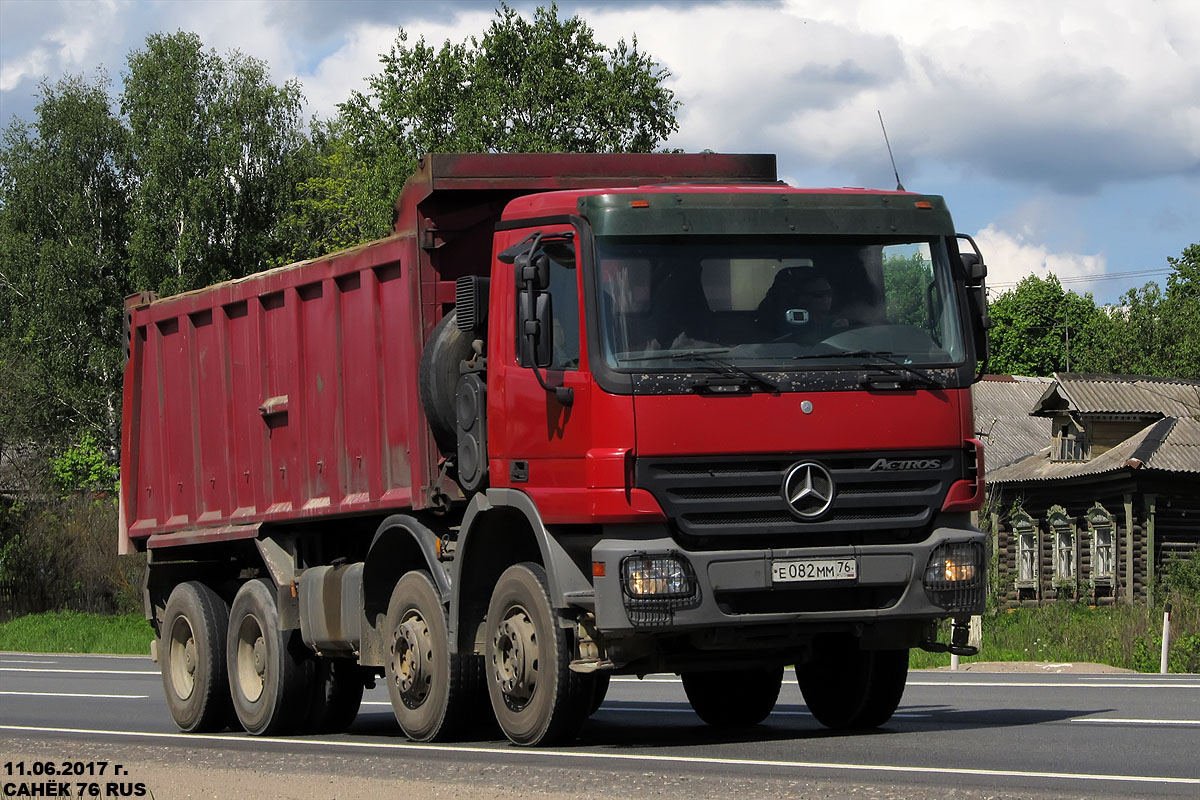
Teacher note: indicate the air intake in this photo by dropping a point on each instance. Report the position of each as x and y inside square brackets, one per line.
[471, 302]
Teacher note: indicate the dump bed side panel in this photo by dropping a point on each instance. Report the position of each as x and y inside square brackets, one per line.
[289, 394]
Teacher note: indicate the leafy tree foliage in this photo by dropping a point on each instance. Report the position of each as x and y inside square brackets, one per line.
[63, 232]
[1148, 332]
[215, 146]
[537, 86]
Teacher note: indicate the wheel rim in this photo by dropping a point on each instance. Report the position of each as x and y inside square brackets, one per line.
[515, 658]
[412, 659]
[251, 658]
[182, 658]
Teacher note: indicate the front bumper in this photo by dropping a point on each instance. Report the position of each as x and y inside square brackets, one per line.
[734, 588]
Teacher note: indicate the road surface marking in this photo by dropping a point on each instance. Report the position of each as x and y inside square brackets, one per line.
[24, 661]
[505, 751]
[1056, 685]
[70, 694]
[83, 671]
[1127, 721]
[658, 710]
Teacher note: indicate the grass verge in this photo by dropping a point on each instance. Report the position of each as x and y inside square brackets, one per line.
[1128, 636]
[75, 632]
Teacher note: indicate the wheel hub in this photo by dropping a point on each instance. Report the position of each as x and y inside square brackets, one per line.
[412, 656]
[515, 658]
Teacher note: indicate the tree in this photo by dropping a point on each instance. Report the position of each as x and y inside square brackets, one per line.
[215, 148]
[541, 85]
[63, 233]
[1037, 328]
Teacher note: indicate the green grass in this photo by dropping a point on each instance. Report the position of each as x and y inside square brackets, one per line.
[1122, 635]
[74, 632]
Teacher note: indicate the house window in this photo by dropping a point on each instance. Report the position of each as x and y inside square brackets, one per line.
[1027, 553]
[1103, 551]
[1025, 530]
[1063, 531]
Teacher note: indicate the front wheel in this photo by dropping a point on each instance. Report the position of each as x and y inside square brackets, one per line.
[192, 652]
[846, 688]
[733, 698]
[537, 699]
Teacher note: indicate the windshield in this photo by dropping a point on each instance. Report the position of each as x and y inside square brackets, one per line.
[775, 302]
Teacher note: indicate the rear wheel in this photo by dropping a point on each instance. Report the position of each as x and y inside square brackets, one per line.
[192, 652]
[538, 700]
[733, 698]
[846, 688]
[267, 670]
[336, 686]
[428, 686]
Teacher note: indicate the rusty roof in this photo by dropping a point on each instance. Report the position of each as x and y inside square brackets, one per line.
[1139, 395]
[1008, 432]
[1171, 444]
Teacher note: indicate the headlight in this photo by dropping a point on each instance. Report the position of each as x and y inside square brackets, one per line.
[656, 586]
[954, 576]
[656, 576]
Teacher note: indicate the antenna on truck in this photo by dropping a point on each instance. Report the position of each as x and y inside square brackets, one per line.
[899, 185]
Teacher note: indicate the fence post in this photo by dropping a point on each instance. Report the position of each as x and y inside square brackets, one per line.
[1166, 637]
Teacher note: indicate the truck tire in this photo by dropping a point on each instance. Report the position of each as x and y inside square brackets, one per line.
[600, 681]
[428, 685]
[267, 670]
[192, 651]
[437, 380]
[336, 686]
[537, 699]
[733, 698]
[850, 689]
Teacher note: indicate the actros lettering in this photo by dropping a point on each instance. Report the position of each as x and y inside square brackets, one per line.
[912, 463]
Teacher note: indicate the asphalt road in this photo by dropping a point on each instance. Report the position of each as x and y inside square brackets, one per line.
[955, 735]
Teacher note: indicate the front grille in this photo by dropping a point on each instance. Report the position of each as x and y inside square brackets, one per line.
[738, 501]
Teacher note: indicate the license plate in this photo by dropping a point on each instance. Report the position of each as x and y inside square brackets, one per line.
[815, 569]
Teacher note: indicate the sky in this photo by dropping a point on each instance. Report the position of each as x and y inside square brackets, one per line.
[1065, 136]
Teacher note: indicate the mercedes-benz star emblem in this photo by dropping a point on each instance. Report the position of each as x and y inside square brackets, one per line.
[808, 490]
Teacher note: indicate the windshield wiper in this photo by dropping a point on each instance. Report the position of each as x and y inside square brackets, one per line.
[710, 355]
[890, 364]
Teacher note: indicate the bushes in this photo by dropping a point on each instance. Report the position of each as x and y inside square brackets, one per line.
[62, 554]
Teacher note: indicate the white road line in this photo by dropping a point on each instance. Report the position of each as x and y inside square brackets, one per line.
[659, 710]
[82, 671]
[504, 751]
[71, 655]
[70, 694]
[1128, 721]
[24, 661]
[1055, 685]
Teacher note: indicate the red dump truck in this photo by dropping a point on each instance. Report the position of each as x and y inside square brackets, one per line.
[579, 416]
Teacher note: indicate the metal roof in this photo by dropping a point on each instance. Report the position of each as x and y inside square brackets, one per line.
[1168, 445]
[1008, 432]
[1085, 393]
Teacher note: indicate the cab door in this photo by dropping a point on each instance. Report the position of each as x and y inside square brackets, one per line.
[538, 442]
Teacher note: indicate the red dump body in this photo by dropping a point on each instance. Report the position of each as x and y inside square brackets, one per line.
[292, 393]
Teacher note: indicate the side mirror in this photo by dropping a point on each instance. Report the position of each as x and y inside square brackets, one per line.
[533, 266]
[974, 268]
[536, 328]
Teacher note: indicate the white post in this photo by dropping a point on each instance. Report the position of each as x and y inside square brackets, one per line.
[1162, 664]
[954, 661]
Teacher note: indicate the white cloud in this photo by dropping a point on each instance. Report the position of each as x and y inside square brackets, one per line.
[1012, 256]
[1070, 95]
